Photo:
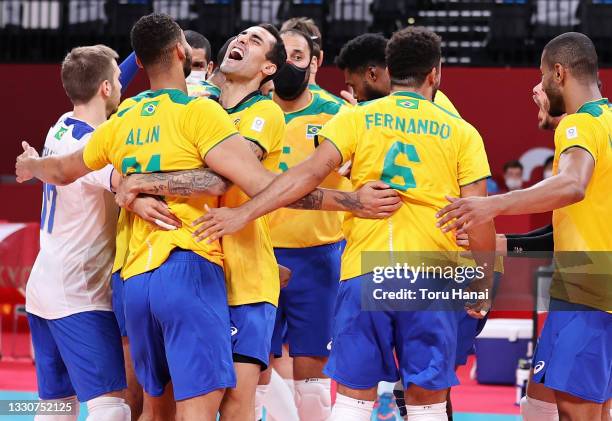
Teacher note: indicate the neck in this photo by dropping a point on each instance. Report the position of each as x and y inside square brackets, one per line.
[311, 78]
[234, 91]
[425, 91]
[295, 104]
[92, 113]
[578, 95]
[167, 78]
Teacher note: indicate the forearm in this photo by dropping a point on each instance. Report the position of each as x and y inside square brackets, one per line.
[52, 170]
[288, 188]
[553, 193]
[328, 200]
[186, 183]
[482, 245]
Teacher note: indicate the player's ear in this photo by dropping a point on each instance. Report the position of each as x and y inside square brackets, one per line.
[209, 68]
[139, 63]
[371, 73]
[313, 65]
[269, 69]
[106, 88]
[180, 51]
[559, 73]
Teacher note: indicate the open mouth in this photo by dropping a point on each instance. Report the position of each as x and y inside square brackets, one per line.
[236, 54]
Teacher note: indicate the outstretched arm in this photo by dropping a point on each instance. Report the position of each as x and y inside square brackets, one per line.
[57, 170]
[283, 190]
[567, 187]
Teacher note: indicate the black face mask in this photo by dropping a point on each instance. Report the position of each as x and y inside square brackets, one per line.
[290, 81]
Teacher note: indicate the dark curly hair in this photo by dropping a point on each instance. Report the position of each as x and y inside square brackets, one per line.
[277, 54]
[362, 51]
[153, 36]
[411, 54]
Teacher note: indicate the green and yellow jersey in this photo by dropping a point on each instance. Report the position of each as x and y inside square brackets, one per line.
[204, 89]
[163, 130]
[586, 226]
[293, 228]
[420, 149]
[251, 270]
[326, 95]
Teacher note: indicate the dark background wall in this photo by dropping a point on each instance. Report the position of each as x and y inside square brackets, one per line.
[496, 101]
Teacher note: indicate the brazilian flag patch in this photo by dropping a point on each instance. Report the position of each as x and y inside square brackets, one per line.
[60, 133]
[411, 104]
[148, 108]
[312, 130]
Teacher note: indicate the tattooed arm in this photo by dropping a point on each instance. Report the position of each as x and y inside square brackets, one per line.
[185, 183]
[196, 182]
[373, 200]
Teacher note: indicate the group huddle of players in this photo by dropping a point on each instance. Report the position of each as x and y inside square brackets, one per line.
[245, 203]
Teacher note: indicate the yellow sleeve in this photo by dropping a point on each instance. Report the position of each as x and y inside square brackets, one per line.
[95, 153]
[578, 130]
[473, 164]
[207, 124]
[341, 132]
[264, 124]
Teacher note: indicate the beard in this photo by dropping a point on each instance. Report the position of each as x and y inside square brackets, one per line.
[371, 92]
[556, 105]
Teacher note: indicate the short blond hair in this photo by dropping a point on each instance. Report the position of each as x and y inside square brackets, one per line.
[84, 69]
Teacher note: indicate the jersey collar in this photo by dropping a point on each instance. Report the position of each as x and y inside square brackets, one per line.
[601, 101]
[246, 102]
[409, 94]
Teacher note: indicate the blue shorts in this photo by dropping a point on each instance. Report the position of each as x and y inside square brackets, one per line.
[362, 351]
[78, 354]
[252, 327]
[117, 297]
[574, 352]
[177, 319]
[470, 327]
[306, 305]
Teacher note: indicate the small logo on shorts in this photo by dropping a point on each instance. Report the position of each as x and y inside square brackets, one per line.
[538, 367]
[329, 345]
[233, 330]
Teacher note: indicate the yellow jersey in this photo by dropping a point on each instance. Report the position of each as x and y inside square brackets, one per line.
[326, 95]
[586, 226]
[251, 270]
[163, 130]
[420, 149]
[443, 101]
[293, 228]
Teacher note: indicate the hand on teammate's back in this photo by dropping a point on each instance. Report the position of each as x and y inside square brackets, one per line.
[155, 211]
[467, 212]
[22, 170]
[217, 222]
[377, 200]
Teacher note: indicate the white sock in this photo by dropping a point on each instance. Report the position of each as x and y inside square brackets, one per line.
[279, 401]
[434, 412]
[385, 387]
[290, 384]
[261, 391]
[313, 399]
[349, 409]
[70, 403]
[106, 408]
[536, 410]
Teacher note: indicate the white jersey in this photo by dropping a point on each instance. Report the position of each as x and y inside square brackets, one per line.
[77, 235]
